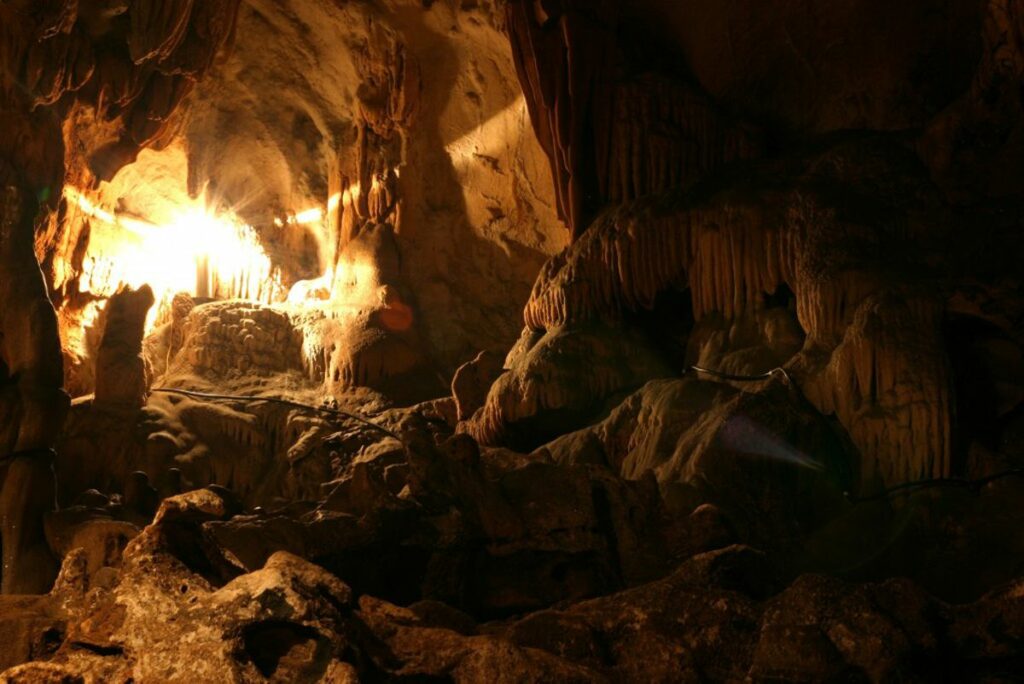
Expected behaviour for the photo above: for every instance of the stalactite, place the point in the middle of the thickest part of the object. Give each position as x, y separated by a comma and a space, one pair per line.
60, 64
665, 135
211, 29
649, 134
56, 16
363, 179
888, 382
884, 372
113, 85
157, 28
729, 256
564, 55
152, 112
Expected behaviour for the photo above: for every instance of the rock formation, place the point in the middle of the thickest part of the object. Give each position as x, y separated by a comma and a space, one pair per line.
264, 414
32, 404
122, 379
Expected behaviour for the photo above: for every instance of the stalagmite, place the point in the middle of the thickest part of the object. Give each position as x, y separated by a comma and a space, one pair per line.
122, 375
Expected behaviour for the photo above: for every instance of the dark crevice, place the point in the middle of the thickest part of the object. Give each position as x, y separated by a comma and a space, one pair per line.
110, 650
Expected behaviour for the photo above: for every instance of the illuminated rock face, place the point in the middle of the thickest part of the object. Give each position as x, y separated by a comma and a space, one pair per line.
855, 232
238, 339
866, 337
386, 115
122, 375
772, 356
280, 157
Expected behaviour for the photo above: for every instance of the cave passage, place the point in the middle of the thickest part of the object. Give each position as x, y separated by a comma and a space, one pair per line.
511, 341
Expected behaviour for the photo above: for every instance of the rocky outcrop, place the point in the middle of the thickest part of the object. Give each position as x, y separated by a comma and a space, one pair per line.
766, 461
719, 616
32, 628
559, 379
472, 380
122, 375
237, 338
873, 352
776, 361
32, 402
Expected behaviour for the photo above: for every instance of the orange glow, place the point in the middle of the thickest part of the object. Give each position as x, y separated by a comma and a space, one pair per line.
194, 251
353, 286
490, 138
74, 330
309, 216
92, 312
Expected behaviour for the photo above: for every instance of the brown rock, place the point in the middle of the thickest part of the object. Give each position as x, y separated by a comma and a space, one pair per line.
122, 377
472, 380
32, 628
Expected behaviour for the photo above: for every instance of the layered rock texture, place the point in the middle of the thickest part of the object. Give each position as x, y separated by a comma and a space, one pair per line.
264, 414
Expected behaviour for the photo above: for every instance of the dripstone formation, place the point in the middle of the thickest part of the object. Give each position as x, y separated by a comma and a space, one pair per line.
511, 341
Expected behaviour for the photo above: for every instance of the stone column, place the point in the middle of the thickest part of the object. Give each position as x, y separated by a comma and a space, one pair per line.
32, 403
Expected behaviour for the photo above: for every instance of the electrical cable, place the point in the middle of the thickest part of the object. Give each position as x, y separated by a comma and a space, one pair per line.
975, 484
743, 378
884, 494
278, 400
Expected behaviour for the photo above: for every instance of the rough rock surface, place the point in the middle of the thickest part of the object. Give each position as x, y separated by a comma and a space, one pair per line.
228, 338
873, 352
763, 423
719, 616
122, 375
395, 113
32, 402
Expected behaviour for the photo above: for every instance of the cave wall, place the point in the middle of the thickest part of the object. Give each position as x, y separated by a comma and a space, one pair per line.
832, 161
309, 110
775, 253
83, 88
390, 113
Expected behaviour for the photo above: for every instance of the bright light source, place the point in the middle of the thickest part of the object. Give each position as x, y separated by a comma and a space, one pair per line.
195, 251
309, 216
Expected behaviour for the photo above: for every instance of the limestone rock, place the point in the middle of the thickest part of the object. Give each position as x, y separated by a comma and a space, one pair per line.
472, 380
559, 379
707, 442
122, 378
33, 404
32, 628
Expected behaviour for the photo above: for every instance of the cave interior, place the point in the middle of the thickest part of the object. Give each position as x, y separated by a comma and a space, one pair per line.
511, 341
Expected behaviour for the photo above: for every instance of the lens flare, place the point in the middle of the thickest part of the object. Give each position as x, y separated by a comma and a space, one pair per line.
197, 251
745, 436
190, 248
